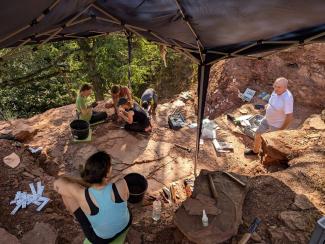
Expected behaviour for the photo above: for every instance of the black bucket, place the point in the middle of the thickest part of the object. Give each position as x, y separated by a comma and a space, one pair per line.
79, 129
137, 185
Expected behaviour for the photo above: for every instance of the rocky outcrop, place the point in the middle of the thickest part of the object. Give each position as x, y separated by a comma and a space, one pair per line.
224, 216
291, 146
6, 237
40, 234
22, 131
303, 66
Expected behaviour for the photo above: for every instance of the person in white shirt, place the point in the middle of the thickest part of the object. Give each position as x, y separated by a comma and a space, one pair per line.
279, 113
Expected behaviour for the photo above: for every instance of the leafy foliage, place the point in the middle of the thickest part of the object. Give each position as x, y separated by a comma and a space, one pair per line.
34, 79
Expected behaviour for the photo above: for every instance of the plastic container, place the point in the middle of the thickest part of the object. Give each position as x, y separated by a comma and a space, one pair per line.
79, 129
137, 185
205, 220
318, 236
156, 210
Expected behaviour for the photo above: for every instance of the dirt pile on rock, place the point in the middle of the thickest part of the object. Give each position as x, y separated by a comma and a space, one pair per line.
303, 66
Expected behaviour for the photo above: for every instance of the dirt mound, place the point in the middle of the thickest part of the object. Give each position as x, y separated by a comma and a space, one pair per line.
303, 66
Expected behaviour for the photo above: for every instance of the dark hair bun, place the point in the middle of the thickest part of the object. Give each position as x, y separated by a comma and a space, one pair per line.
96, 168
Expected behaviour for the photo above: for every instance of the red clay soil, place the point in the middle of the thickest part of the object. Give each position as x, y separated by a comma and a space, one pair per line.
274, 190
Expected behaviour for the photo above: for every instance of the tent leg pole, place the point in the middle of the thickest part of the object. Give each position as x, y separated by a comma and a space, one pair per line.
203, 82
199, 117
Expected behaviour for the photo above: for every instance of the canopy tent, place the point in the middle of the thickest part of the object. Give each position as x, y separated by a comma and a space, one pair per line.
206, 30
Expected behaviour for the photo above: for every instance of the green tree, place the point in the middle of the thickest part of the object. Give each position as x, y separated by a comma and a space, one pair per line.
37, 78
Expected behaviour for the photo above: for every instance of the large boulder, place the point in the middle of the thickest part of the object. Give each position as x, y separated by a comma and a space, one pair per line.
295, 220
286, 236
41, 233
224, 222
286, 145
7, 238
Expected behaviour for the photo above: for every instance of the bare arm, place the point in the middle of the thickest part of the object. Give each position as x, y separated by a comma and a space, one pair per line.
128, 94
68, 187
287, 121
122, 189
126, 116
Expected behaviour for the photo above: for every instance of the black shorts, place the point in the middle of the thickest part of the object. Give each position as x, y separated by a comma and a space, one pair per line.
89, 231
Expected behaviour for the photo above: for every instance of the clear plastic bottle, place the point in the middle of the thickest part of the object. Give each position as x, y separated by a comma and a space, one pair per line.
156, 210
205, 220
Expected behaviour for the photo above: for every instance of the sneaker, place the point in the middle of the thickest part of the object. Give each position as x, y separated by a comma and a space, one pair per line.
250, 152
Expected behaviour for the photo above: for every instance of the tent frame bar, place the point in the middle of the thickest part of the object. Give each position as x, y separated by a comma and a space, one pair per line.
34, 22
135, 29
244, 48
314, 37
200, 46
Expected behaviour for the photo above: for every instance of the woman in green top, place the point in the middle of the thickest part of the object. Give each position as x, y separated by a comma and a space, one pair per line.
85, 110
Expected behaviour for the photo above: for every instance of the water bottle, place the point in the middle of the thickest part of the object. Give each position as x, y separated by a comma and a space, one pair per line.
205, 220
156, 210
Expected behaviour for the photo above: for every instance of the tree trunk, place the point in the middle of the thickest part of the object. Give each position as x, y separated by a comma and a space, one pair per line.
96, 80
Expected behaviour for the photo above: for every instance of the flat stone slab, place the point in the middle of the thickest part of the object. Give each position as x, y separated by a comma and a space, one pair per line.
295, 220
222, 226
154, 150
302, 202
7, 238
179, 168
41, 233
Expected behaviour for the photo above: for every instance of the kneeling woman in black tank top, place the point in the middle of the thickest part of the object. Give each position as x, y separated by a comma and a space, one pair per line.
98, 205
135, 117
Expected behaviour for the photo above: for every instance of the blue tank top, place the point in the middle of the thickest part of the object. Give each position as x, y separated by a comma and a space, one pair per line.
112, 217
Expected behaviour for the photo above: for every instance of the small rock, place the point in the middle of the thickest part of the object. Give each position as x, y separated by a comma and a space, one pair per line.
48, 210
294, 220
41, 233
302, 202
28, 175
285, 235
243, 111
37, 172
7, 238
23, 132
12, 160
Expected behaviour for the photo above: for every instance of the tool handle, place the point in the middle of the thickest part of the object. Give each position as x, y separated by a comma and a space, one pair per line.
245, 238
252, 228
212, 187
235, 179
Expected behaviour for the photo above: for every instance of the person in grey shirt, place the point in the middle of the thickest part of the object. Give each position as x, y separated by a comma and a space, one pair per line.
149, 101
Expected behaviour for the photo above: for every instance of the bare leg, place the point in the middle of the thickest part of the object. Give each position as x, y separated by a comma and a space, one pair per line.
70, 204
257, 143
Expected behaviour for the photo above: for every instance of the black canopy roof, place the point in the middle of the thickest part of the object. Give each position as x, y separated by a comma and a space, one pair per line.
216, 28
204, 30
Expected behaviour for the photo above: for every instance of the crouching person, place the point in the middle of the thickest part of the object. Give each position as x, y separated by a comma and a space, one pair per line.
84, 109
98, 205
149, 101
135, 117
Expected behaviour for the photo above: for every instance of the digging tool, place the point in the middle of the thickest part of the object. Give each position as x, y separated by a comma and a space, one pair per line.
212, 187
252, 228
183, 147
235, 179
173, 192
